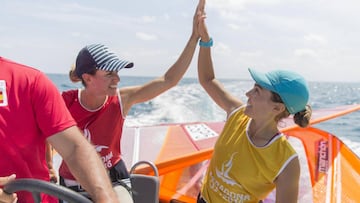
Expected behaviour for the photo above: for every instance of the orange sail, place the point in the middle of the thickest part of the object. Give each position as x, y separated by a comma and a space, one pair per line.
334, 169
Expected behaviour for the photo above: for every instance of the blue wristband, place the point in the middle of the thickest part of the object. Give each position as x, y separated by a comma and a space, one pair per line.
206, 44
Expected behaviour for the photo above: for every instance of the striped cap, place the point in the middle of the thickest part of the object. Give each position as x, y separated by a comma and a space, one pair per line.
99, 57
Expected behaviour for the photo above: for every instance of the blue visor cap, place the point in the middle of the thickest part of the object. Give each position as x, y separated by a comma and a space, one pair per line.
290, 86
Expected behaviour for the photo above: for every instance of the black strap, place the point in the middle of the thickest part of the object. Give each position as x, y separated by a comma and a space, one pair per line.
118, 172
76, 188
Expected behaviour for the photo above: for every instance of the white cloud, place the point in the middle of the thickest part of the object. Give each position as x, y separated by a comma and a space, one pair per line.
222, 48
227, 4
237, 5
313, 38
76, 34
305, 53
166, 16
145, 36
234, 26
148, 19
230, 15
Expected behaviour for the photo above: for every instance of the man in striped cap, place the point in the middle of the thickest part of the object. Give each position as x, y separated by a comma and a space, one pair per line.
100, 108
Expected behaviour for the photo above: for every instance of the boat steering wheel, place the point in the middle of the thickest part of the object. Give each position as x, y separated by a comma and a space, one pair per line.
36, 187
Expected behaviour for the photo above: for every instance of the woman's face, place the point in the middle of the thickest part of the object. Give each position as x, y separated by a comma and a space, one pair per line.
260, 104
104, 82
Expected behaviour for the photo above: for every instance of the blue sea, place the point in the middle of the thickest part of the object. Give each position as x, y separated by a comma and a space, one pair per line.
187, 102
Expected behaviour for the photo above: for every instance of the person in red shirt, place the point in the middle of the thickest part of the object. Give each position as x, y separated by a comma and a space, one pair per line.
100, 108
32, 113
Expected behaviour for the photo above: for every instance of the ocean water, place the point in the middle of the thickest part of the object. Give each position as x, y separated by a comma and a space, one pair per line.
188, 102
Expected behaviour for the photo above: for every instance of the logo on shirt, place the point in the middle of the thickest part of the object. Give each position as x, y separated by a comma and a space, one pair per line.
223, 172
107, 158
3, 95
225, 190
87, 135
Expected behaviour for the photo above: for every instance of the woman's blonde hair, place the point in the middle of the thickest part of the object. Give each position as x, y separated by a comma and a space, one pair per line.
72, 74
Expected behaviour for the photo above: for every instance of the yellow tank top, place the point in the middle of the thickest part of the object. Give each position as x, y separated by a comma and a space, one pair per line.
239, 171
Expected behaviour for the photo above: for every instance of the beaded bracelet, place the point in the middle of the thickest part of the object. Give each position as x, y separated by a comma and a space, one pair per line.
206, 44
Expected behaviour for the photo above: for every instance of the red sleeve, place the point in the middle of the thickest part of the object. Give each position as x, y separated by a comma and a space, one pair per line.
69, 96
51, 112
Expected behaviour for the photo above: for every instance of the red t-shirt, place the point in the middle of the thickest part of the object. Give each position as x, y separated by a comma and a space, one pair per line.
31, 110
102, 127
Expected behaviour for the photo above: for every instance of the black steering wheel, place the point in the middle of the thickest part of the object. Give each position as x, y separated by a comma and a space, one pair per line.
36, 187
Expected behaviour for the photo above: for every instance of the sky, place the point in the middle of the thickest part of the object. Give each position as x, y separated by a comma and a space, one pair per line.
319, 39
